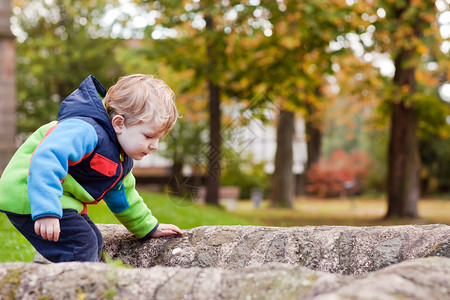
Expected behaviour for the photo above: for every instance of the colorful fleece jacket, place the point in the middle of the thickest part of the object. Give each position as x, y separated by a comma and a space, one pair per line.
72, 162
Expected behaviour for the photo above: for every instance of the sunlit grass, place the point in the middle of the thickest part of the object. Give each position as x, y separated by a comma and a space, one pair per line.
14, 246
342, 211
168, 209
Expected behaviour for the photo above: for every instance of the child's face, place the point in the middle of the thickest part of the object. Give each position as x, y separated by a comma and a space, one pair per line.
138, 140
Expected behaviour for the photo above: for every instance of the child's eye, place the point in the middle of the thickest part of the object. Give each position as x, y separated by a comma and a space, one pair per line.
151, 136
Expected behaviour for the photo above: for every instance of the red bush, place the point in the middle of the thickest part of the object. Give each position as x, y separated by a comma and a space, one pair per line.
340, 174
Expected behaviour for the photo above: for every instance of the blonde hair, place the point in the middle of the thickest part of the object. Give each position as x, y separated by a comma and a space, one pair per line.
142, 98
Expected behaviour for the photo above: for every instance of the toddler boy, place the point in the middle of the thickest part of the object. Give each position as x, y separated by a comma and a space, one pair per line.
84, 157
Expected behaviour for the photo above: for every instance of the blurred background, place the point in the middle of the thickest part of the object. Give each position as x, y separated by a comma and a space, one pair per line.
293, 113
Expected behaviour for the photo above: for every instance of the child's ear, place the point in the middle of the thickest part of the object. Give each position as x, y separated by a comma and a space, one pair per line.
118, 123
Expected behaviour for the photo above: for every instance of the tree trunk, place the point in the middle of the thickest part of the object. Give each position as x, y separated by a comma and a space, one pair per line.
282, 189
313, 145
404, 159
214, 154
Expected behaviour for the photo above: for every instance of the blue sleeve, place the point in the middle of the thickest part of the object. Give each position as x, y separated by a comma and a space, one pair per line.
69, 141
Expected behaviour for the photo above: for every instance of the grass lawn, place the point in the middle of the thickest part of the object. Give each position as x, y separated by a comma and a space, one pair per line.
341, 211
307, 211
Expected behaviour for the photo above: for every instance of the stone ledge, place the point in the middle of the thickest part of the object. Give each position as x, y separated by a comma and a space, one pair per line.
425, 278
336, 249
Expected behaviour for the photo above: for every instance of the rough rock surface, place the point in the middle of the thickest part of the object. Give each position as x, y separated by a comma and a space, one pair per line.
426, 278
336, 249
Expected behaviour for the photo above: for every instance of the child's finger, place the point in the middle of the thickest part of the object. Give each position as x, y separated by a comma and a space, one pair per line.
56, 233
176, 230
37, 228
172, 232
50, 233
43, 232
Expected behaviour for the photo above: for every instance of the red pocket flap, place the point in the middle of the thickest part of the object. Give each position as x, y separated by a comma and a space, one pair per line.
103, 165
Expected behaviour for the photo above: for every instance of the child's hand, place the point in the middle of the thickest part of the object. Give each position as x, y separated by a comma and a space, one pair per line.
48, 228
166, 230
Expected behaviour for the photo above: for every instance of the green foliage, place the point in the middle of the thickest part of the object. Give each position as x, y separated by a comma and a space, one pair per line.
403, 23
110, 293
434, 139
242, 172
375, 144
62, 44
431, 114
435, 156
186, 144
118, 263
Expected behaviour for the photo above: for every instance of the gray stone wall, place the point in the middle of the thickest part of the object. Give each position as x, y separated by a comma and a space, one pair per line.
341, 250
7, 86
249, 262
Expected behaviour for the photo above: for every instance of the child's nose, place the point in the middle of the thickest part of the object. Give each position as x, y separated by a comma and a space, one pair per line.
153, 145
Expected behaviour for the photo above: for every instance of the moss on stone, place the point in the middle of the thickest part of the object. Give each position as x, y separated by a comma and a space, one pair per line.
10, 282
